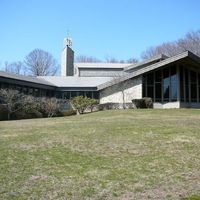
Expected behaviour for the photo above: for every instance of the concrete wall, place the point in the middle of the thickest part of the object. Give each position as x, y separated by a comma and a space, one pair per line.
166, 105
102, 72
127, 90
176, 104
64, 62
67, 62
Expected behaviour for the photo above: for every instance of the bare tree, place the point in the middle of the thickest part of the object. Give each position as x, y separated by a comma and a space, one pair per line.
14, 67
132, 60
86, 59
12, 100
169, 49
190, 42
110, 59
115, 60
50, 106
41, 63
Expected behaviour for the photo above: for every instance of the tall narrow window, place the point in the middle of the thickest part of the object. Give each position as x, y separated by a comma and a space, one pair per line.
95, 95
80, 93
166, 82
181, 84
73, 94
150, 85
88, 94
187, 85
173, 83
158, 86
144, 92
193, 86
66, 95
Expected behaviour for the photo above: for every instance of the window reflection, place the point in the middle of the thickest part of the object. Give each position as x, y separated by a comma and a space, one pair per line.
173, 83
163, 82
166, 79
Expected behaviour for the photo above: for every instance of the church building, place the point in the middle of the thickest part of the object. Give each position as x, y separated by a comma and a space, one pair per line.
171, 82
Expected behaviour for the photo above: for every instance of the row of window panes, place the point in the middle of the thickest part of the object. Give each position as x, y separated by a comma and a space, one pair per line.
164, 80
71, 94
189, 85
27, 90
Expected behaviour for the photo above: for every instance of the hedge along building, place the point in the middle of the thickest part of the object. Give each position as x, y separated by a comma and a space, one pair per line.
172, 82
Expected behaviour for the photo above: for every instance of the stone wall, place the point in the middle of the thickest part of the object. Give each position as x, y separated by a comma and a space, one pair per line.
122, 92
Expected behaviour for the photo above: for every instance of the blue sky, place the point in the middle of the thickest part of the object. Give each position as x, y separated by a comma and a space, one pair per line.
99, 28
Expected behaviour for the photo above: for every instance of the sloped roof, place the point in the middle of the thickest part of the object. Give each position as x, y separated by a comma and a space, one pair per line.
30, 79
73, 81
151, 67
102, 65
102, 82
146, 62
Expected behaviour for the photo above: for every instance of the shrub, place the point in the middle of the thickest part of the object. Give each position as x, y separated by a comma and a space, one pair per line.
19, 106
148, 102
145, 102
11, 100
92, 103
81, 103
49, 107
16, 102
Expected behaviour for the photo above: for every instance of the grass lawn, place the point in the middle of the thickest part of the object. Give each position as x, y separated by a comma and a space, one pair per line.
119, 154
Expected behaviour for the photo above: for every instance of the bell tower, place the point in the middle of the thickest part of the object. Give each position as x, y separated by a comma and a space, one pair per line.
67, 58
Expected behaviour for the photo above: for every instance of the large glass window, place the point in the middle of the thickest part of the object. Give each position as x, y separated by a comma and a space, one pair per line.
36, 92
95, 94
181, 83
80, 93
193, 86
73, 94
173, 83
186, 85
161, 85
150, 85
66, 95
144, 92
158, 86
166, 82
30, 91
189, 85
88, 94
150, 79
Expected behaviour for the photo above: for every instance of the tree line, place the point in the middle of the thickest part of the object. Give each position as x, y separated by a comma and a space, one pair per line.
108, 59
190, 42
